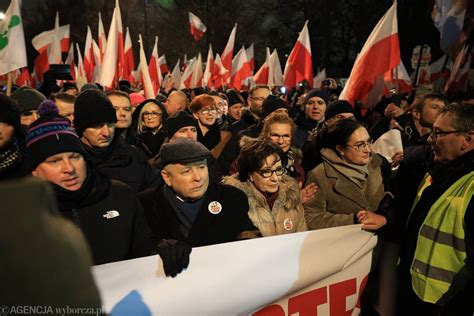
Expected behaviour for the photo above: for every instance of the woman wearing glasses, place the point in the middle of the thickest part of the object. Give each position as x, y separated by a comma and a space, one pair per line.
151, 115
204, 110
275, 207
352, 188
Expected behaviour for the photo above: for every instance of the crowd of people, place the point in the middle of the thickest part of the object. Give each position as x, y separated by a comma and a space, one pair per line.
194, 168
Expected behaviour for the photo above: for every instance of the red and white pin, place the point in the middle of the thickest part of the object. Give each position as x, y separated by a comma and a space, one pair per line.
214, 207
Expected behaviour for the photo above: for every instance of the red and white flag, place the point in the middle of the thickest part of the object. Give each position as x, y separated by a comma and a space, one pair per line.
262, 75
219, 74
276, 74
381, 53
299, 65
154, 69
70, 61
54, 50
192, 76
228, 52
12, 46
196, 26
240, 69
81, 78
129, 60
250, 58
89, 61
102, 39
398, 78
22, 77
163, 64
144, 73
112, 65
458, 79
176, 75
207, 77
44, 43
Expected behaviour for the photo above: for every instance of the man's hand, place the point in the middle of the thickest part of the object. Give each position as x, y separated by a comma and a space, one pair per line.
393, 110
175, 256
308, 192
371, 220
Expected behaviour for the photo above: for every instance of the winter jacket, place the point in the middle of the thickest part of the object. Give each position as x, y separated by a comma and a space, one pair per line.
110, 216
338, 198
286, 215
228, 223
124, 163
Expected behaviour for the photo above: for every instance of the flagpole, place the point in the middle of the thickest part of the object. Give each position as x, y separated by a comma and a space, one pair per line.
9, 83
417, 72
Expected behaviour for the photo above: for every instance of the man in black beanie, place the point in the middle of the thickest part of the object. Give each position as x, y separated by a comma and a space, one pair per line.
183, 125
28, 100
12, 145
94, 121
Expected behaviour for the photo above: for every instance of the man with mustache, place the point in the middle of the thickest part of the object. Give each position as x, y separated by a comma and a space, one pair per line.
95, 119
436, 259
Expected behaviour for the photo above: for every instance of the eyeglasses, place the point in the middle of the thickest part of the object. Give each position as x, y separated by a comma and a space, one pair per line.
276, 137
361, 146
208, 111
435, 134
267, 173
152, 114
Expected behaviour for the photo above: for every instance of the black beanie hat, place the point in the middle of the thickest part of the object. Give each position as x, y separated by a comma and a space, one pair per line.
338, 107
49, 135
323, 94
92, 107
233, 97
9, 112
271, 104
28, 99
182, 119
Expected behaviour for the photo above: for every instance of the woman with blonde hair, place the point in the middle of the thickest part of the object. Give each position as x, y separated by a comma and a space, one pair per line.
151, 115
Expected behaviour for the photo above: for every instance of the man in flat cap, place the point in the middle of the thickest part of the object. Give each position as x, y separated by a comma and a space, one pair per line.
190, 207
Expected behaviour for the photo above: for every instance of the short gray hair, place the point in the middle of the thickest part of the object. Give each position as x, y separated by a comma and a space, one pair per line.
462, 114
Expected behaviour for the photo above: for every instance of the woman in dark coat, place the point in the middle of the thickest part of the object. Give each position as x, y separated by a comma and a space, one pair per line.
149, 117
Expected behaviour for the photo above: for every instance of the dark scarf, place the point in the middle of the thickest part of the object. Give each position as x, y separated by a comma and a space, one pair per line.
101, 156
94, 189
186, 211
11, 157
212, 137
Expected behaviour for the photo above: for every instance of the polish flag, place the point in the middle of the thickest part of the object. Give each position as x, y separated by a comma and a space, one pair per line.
176, 75
299, 65
144, 73
207, 77
154, 69
97, 59
54, 50
192, 76
398, 78
44, 42
102, 39
81, 77
318, 79
196, 26
381, 53
240, 69
262, 75
219, 74
23, 78
275, 74
228, 52
250, 58
70, 61
163, 64
89, 61
112, 64
129, 60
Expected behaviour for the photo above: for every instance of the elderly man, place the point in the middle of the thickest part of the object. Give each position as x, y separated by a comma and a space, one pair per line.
436, 261
65, 103
191, 207
95, 120
177, 101
255, 111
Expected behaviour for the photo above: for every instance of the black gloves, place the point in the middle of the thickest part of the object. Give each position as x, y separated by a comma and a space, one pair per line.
175, 256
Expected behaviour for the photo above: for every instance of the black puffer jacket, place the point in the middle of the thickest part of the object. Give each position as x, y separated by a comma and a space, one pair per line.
124, 163
109, 215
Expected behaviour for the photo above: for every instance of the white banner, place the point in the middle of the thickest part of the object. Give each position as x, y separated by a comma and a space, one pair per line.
318, 272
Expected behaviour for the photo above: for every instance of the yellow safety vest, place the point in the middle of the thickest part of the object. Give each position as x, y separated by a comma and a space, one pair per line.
441, 250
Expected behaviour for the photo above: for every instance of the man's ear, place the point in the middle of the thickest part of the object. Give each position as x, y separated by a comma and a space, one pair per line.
416, 114
166, 177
